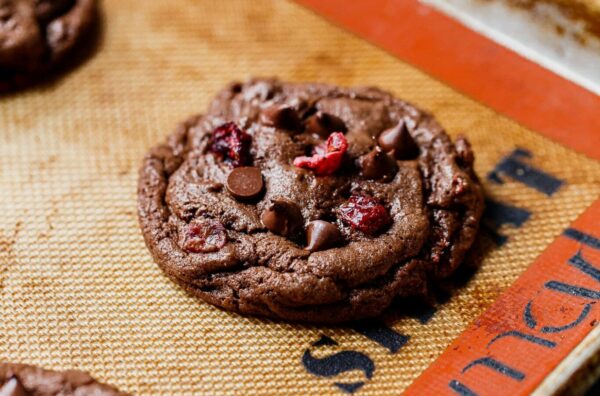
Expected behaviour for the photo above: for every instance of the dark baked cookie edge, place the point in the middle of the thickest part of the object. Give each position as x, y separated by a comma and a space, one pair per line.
408, 278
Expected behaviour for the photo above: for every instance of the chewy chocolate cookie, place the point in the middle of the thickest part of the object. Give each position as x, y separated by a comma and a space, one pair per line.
308, 201
36, 35
26, 380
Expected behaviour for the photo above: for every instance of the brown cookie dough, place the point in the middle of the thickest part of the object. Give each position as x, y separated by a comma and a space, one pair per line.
363, 197
26, 380
36, 35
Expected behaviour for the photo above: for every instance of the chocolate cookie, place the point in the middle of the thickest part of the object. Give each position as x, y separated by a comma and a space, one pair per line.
308, 201
25, 380
36, 35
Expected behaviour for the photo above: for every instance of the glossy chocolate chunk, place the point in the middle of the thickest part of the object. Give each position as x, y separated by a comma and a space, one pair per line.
399, 141
13, 387
283, 218
324, 124
378, 165
321, 235
245, 182
281, 116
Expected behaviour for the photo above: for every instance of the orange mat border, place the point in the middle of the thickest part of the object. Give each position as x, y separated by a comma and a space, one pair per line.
531, 327
475, 65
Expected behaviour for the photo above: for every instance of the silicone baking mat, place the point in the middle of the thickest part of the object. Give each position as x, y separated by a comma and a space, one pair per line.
80, 290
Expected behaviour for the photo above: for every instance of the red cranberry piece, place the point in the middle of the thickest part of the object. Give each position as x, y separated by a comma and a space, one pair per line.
204, 236
231, 144
365, 213
327, 157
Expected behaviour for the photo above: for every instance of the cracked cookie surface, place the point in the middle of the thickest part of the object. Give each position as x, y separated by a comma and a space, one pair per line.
308, 202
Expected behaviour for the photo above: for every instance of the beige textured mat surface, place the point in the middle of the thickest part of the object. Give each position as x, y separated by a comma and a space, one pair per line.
80, 290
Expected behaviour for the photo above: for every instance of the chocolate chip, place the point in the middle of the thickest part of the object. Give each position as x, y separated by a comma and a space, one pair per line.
283, 217
236, 87
305, 106
245, 182
281, 116
399, 140
323, 124
378, 165
214, 187
13, 387
321, 235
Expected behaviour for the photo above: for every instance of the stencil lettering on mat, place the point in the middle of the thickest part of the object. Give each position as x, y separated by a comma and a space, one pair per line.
545, 336
496, 215
516, 167
338, 363
344, 361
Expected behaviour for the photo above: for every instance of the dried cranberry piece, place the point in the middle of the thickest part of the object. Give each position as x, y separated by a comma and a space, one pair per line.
327, 157
231, 144
365, 213
204, 236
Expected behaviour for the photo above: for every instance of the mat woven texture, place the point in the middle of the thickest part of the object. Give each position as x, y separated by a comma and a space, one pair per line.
80, 290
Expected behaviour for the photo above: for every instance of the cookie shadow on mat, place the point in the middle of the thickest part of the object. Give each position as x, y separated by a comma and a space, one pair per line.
424, 308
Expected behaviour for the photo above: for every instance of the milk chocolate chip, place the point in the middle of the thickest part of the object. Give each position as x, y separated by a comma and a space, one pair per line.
13, 387
321, 235
281, 116
283, 218
378, 165
245, 182
323, 124
399, 141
